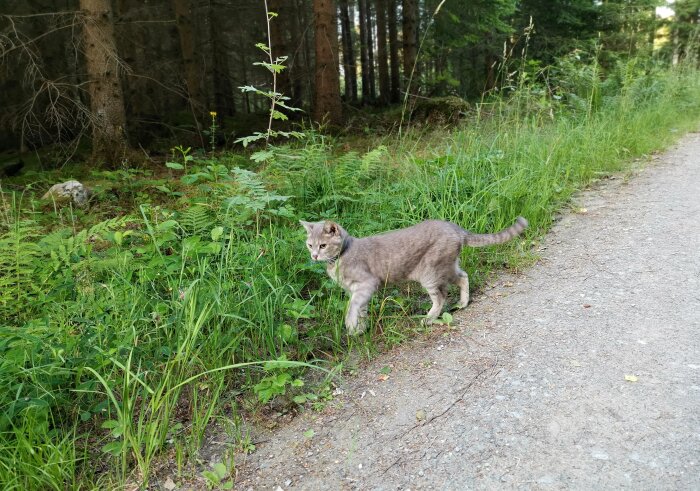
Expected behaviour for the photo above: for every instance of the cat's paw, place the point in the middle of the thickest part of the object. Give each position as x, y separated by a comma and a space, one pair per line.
461, 305
355, 331
358, 327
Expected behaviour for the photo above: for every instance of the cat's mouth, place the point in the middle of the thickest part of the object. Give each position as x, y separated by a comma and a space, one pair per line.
323, 259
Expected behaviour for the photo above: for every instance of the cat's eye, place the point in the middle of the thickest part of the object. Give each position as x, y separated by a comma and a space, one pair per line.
308, 245
322, 246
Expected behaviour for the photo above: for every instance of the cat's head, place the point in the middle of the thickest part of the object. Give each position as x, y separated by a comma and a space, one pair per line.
324, 239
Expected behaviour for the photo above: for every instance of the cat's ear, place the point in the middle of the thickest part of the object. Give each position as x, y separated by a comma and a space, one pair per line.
331, 228
307, 225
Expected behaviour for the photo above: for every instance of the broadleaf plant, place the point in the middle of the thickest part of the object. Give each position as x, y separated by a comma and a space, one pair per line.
275, 65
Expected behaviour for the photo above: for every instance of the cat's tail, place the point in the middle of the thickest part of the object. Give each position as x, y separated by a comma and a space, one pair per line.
481, 240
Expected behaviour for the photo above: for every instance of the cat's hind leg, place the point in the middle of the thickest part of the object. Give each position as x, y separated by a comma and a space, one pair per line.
438, 295
356, 316
463, 282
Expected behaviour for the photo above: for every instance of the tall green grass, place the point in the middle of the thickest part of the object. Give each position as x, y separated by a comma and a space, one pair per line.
124, 339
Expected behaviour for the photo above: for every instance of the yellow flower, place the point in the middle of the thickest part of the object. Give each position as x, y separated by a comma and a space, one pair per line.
212, 114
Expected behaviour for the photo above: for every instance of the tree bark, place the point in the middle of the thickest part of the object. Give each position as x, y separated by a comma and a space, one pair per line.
244, 74
193, 70
279, 44
490, 61
106, 97
370, 52
349, 66
384, 90
308, 35
298, 66
327, 106
410, 45
364, 51
394, 53
223, 91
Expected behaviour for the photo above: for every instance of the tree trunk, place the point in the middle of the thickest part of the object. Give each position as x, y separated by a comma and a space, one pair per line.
384, 90
394, 53
364, 51
244, 73
223, 91
370, 51
327, 106
490, 61
410, 49
308, 35
106, 97
280, 47
349, 66
193, 70
298, 67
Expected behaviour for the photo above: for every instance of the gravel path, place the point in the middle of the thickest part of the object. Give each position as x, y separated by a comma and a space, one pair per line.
531, 391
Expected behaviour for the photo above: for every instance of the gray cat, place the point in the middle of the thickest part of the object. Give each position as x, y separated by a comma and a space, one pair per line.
427, 253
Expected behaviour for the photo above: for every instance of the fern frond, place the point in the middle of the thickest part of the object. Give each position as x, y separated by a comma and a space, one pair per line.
196, 219
20, 256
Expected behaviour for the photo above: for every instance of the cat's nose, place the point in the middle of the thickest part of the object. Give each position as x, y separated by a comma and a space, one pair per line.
314, 256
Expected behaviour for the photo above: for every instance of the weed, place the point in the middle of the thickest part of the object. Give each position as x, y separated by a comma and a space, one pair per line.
212, 131
216, 478
277, 380
183, 153
277, 100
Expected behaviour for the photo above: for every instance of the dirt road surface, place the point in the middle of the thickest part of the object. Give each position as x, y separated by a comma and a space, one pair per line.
582, 372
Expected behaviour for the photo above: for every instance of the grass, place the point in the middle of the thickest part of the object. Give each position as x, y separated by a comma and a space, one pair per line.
126, 329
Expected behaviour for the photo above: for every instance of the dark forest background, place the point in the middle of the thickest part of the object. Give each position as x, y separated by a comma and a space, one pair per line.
130, 73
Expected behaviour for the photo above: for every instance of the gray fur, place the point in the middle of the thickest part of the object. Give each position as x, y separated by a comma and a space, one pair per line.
427, 252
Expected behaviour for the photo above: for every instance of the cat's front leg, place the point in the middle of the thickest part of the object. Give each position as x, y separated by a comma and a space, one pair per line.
356, 316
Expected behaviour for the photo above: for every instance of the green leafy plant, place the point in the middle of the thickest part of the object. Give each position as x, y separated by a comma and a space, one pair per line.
277, 100
216, 478
20, 257
184, 154
212, 131
277, 381
318, 399
210, 173
254, 200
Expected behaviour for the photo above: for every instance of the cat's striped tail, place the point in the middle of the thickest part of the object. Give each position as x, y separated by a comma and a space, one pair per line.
481, 240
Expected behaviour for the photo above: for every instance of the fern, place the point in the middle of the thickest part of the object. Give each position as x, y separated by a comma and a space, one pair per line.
101, 229
19, 257
65, 249
254, 200
347, 180
196, 219
330, 184
117, 262
61, 247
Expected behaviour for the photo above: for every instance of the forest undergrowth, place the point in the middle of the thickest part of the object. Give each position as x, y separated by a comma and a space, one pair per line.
128, 327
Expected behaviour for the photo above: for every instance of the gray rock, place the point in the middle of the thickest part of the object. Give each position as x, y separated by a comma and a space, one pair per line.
70, 190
